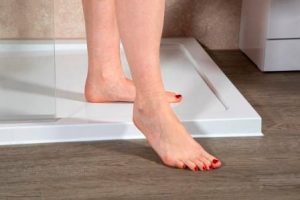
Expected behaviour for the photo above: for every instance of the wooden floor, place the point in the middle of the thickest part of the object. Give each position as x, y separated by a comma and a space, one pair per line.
254, 168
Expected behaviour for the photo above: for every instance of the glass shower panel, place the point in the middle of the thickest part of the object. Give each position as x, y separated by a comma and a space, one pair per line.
27, 63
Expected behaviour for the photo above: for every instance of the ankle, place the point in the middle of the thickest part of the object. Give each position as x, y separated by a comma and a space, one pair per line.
108, 77
150, 102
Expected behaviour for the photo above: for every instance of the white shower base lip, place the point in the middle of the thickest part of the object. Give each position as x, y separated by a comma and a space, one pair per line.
212, 105
53, 132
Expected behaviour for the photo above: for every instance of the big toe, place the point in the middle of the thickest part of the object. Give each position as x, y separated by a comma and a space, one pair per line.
173, 97
215, 162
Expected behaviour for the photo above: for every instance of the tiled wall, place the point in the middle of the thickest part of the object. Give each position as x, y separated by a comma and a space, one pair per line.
214, 22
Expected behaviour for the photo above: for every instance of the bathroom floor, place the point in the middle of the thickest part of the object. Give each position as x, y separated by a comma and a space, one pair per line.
254, 168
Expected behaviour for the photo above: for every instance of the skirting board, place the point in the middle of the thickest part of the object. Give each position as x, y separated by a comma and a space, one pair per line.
212, 106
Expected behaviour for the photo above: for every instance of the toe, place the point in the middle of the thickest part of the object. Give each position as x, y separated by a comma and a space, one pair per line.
181, 165
206, 162
214, 161
174, 97
190, 164
200, 164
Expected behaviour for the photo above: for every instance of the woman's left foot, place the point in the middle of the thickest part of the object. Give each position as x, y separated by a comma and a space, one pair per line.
100, 90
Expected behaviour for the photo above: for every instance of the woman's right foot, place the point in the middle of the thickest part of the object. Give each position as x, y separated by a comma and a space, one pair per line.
168, 137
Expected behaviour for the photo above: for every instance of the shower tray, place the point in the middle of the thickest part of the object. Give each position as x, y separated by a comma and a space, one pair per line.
211, 106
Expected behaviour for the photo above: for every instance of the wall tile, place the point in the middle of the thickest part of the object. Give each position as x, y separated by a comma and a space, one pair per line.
215, 23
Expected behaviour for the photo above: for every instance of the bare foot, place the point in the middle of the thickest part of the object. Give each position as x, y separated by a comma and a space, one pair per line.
100, 90
168, 137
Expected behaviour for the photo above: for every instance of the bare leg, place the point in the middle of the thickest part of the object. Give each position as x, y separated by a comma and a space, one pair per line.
140, 25
106, 81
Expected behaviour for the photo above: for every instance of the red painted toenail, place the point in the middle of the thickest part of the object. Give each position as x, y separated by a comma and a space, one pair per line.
210, 167
196, 168
204, 167
178, 96
215, 161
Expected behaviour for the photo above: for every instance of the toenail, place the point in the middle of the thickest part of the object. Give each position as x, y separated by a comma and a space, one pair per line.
215, 161
178, 96
210, 167
204, 167
196, 168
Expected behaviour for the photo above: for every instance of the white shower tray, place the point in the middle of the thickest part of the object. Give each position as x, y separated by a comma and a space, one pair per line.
211, 107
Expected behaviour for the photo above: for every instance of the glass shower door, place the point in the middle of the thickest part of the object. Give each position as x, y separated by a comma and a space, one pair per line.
27, 62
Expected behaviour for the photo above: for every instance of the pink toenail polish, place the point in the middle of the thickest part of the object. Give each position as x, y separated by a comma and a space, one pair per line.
196, 168
215, 161
178, 96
